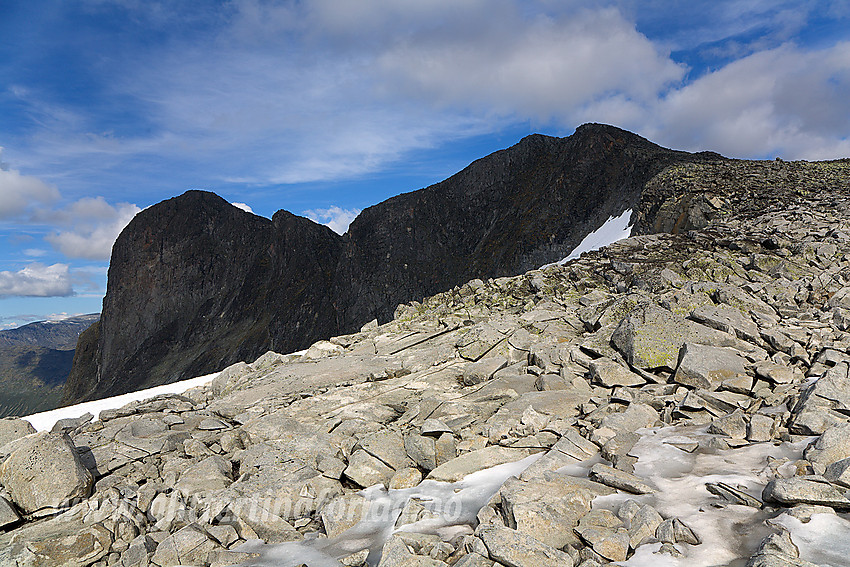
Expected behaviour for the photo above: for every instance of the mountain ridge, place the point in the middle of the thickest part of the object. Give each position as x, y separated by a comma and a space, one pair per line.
283, 284
60, 334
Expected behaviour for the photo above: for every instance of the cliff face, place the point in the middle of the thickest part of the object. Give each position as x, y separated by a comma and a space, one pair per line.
509, 212
196, 284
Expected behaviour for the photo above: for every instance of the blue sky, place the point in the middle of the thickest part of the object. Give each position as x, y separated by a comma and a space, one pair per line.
324, 107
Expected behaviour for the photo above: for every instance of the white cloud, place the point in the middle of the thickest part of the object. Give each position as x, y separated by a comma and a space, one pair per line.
18, 192
786, 102
320, 89
538, 69
93, 225
336, 218
37, 280
35, 252
243, 206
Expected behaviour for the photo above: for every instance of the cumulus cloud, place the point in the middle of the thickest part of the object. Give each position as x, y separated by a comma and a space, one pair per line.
787, 102
37, 280
335, 218
539, 69
319, 90
18, 192
93, 225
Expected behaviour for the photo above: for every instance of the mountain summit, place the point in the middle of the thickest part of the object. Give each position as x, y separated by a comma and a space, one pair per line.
196, 284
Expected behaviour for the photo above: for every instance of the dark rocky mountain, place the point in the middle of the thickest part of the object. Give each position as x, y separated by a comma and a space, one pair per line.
35, 361
196, 284
58, 335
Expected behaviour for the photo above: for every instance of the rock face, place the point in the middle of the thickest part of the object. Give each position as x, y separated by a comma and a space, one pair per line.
196, 284
589, 388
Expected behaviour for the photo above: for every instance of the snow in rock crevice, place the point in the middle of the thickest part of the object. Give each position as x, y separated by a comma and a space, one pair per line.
612, 230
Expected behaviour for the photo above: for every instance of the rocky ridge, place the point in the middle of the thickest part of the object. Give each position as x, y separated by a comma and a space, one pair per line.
196, 284
729, 338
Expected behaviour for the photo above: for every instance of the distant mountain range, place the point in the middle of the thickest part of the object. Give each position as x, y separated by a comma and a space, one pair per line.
35, 361
58, 335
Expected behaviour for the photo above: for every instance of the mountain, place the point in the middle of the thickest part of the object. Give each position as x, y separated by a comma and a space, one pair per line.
196, 284
35, 361
697, 379
58, 335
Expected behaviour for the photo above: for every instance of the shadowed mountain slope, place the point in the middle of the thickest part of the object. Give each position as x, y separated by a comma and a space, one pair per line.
196, 284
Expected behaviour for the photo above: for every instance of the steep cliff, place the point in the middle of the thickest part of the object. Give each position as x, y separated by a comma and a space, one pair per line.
196, 284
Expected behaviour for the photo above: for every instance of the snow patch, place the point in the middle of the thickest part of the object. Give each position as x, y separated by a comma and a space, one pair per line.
680, 480
614, 229
45, 420
824, 540
455, 504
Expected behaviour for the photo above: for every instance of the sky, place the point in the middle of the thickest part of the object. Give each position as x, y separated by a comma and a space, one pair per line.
325, 107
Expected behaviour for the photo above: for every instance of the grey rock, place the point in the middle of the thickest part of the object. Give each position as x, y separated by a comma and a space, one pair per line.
611, 544
8, 514
651, 337
12, 428
676, 531
388, 446
367, 470
45, 471
190, 545
622, 480
636, 416
732, 425
727, 319
707, 367
777, 373
343, 512
548, 508
405, 478
422, 450
610, 374
838, 473
761, 428
482, 370
643, 525
67, 424
474, 461
474, 560
516, 549
211, 474
833, 445
732, 494
804, 490
434, 427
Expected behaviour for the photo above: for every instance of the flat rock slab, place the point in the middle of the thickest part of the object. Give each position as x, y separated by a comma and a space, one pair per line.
800, 490
549, 506
468, 463
62, 541
514, 549
610, 374
706, 367
609, 476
